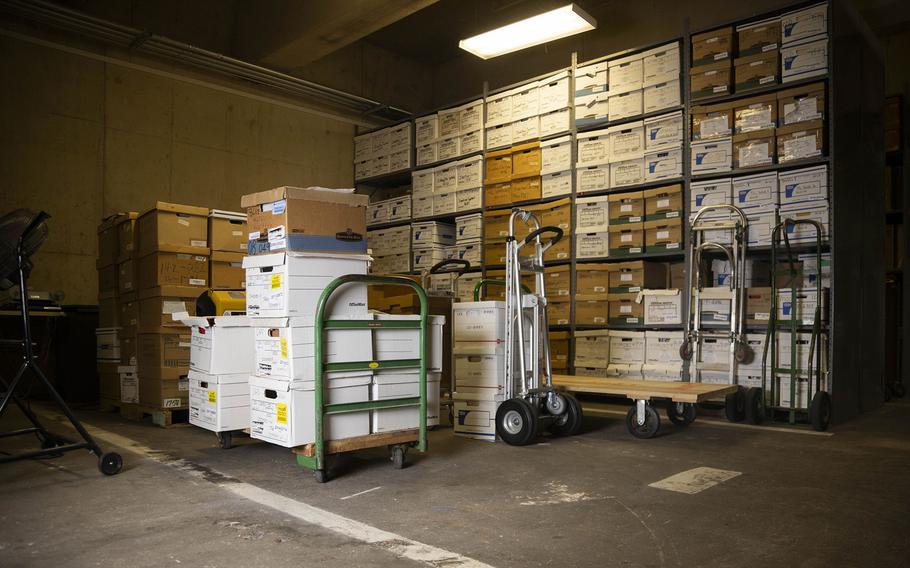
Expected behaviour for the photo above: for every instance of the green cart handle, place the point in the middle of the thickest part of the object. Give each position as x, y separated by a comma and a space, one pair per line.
491, 282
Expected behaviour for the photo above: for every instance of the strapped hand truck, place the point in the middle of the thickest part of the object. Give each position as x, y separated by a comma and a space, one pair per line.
820, 407
739, 404
532, 402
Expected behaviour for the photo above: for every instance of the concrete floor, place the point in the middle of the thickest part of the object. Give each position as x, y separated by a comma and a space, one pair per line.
840, 500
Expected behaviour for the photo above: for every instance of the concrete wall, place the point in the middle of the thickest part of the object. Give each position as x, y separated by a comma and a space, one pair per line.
83, 139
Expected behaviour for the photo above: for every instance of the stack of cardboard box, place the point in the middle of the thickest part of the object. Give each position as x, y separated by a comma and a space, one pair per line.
228, 240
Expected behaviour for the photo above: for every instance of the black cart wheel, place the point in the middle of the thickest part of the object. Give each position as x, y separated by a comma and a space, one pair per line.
225, 440
398, 455
646, 430
570, 422
743, 353
899, 390
321, 475
47, 441
755, 406
681, 413
110, 463
820, 411
887, 392
735, 407
516, 422
685, 351
451, 415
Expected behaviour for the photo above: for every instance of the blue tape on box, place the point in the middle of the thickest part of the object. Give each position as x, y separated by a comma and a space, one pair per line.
310, 243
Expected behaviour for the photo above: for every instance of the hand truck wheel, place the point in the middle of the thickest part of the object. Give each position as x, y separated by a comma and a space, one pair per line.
225, 440
755, 406
321, 475
570, 422
742, 352
685, 351
516, 422
735, 406
110, 463
398, 456
820, 411
650, 426
47, 441
681, 413
899, 390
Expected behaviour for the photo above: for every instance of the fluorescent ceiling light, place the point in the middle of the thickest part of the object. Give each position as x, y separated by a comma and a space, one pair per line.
549, 26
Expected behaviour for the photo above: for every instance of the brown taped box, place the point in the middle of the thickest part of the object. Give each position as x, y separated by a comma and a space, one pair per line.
496, 225
712, 121
526, 160
108, 240
627, 208
754, 149
494, 252
498, 291
129, 310
800, 141
555, 214
663, 236
171, 224
663, 202
625, 310
497, 194
109, 381
711, 80
525, 189
164, 355
591, 279
127, 281
676, 275
758, 306
376, 295
227, 271
498, 166
559, 349
229, 235
760, 37
129, 345
591, 310
629, 277
164, 393
174, 266
126, 237
108, 310
755, 113
156, 306
709, 47
756, 71
305, 211
108, 279
801, 104
560, 251
559, 313
558, 281
627, 239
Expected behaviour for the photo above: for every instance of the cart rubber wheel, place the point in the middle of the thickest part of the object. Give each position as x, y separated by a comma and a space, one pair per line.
451, 415
887, 392
321, 475
820, 411
899, 390
735, 407
743, 352
755, 406
398, 455
47, 442
516, 422
684, 418
646, 430
685, 351
570, 422
110, 463
225, 440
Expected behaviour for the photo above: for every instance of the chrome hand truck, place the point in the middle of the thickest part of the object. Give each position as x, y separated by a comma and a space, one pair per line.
532, 402
741, 403
819, 410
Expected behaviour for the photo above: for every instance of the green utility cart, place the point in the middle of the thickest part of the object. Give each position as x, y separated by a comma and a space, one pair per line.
313, 456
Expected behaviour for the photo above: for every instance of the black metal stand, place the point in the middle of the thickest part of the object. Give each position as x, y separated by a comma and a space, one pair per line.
51, 444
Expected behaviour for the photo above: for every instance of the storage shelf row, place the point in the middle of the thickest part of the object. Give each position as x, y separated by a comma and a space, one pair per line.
606, 123
760, 91
793, 164
631, 188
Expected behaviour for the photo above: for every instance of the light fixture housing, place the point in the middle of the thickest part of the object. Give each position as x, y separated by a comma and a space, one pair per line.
542, 28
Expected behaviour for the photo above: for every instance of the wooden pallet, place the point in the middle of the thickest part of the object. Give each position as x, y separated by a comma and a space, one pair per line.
644, 389
163, 417
360, 443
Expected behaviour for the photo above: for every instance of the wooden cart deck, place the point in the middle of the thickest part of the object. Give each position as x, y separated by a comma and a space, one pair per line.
644, 389
360, 443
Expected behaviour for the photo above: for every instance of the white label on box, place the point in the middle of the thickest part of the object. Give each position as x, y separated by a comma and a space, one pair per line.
184, 222
754, 153
625, 309
801, 110
663, 235
195, 243
625, 207
626, 237
715, 126
626, 277
802, 147
197, 282
661, 203
170, 403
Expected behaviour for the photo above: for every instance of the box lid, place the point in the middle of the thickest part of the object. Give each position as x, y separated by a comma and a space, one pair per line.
718, 33
115, 220
223, 379
765, 57
661, 191
816, 124
656, 293
171, 292
623, 197
230, 215
179, 249
722, 65
227, 256
342, 196
753, 135
593, 333
525, 147
815, 89
215, 321
594, 267
657, 223
632, 334
177, 208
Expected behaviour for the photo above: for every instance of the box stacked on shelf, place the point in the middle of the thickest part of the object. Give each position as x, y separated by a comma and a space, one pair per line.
711, 74
804, 43
382, 152
228, 238
627, 354
528, 112
393, 210
758, 55
450, 133
662, 361
592, 353
430, 242
390, 249
559, 352
804, 351
626, 281
468, 239
556, 167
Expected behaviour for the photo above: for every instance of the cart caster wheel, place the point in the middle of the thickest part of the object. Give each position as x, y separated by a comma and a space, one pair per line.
685, 351
887, 392
646, 430
899, 390
681, 413
743, 353
820, 411
110, 463
398, 455
516, 422
47, 442
225, 440
755, 406
320, 475
570, 422
451, 416
735, 407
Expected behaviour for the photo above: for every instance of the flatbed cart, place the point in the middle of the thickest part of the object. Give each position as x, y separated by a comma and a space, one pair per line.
739, 403
531, 402
642, 420
819, 409
313, 456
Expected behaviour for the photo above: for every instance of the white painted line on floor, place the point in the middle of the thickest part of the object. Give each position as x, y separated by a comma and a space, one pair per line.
724, 423
361, 493
695, 480
391, 542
